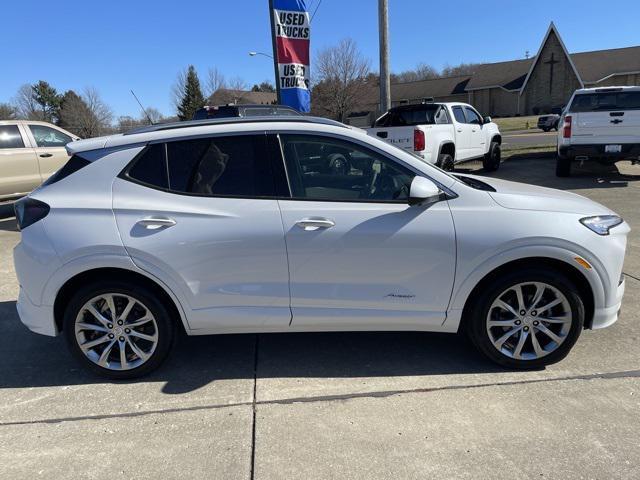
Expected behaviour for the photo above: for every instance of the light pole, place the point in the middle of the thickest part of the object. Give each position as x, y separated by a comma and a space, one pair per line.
253, 54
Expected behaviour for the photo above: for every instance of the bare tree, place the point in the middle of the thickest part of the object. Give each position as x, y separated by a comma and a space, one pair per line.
7, 111
153, 113
177, 90
421, 72
342, 79
461, 69
26, 104
101, 113
215, 82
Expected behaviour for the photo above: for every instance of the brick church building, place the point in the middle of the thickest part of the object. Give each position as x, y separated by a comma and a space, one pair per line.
530, 86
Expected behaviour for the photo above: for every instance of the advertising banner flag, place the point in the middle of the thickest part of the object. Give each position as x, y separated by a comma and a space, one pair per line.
291, 37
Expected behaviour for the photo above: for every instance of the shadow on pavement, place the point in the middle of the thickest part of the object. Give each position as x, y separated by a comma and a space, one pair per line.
541, 171
31, 360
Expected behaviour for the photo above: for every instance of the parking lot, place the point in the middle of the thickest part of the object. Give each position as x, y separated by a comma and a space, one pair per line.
386, 405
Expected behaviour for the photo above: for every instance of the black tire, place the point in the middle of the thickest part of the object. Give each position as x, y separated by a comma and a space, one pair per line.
491, 161
445, 162
563, 166
546, 129
477, 313
165, 326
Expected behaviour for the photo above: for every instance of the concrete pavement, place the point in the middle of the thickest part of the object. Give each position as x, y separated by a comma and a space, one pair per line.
387, 405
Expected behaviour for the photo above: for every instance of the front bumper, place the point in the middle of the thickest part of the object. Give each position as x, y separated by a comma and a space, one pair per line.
38, 319
629, 151
606, 316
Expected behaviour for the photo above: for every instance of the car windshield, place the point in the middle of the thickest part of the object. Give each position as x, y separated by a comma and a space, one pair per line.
605, 101
400, 117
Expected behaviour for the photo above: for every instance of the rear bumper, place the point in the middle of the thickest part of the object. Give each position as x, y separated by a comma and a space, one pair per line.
606, 316
38, 319
629, 151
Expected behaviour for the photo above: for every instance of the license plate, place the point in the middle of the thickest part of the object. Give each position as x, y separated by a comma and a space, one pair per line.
613, 148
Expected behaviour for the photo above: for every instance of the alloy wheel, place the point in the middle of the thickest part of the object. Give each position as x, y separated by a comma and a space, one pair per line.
116, 331
529, 320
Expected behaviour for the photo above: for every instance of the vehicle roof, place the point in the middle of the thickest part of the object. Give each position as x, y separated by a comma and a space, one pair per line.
29, 122
193, 128
607, 89
413, 106
249, 105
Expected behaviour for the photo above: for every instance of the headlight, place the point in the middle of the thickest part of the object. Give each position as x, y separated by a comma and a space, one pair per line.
601, 224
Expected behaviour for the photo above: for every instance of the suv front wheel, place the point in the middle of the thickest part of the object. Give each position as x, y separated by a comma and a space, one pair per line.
526, 319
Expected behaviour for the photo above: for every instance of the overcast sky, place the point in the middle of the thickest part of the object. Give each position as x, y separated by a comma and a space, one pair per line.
120, 45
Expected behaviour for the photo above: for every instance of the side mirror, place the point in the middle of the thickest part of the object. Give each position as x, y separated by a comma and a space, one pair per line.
487, 120
423, 191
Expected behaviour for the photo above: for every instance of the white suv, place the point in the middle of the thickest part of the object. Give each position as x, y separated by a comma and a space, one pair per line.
241, 225
601, 124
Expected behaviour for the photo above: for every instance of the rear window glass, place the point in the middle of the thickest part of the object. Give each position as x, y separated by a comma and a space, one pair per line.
424, 115
74, 164
605, 101
10, 137
224, 166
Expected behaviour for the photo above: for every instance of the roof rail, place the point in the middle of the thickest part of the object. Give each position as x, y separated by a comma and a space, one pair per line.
235, 120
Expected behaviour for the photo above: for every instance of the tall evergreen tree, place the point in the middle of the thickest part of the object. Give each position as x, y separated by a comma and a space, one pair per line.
192, 98
47, 99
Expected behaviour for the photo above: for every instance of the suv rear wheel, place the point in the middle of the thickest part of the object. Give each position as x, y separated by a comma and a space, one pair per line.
117, 329
527, 319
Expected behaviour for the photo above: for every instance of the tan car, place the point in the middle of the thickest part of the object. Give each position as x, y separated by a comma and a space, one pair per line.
29, 153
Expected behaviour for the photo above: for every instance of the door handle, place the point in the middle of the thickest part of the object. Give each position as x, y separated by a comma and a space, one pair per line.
153, 223
313, 224
46, 155
459, 130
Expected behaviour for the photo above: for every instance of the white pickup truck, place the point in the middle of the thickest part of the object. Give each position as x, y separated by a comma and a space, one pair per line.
599, 124
441, 133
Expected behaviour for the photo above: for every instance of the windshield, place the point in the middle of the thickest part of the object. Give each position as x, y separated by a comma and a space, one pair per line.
605, 101
420, 115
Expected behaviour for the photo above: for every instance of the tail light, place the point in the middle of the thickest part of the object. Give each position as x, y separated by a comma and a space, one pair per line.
418, 140
566, 127
29, 211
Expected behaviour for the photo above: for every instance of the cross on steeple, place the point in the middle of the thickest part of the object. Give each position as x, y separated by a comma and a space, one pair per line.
551, 62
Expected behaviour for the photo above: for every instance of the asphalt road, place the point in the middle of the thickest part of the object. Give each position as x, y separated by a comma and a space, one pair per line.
528, 138
317, 406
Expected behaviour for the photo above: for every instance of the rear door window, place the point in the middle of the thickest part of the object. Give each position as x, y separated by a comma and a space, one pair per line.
605, 101
10, 137
49, 137
236, 166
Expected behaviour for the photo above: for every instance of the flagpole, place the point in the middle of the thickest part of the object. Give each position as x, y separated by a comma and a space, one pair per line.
275, 53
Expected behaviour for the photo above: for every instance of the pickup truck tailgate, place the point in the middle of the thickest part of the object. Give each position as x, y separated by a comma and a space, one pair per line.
401, 137
619, 126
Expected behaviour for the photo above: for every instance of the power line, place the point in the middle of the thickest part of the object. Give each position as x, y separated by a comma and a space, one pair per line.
314, 12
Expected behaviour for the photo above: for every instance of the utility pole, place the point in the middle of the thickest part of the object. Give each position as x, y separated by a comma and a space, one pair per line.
385, 81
